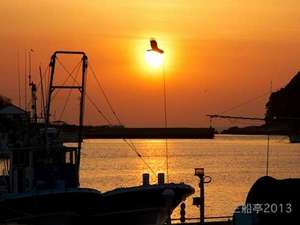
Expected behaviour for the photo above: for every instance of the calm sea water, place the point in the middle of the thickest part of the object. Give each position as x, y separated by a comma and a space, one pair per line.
234, 162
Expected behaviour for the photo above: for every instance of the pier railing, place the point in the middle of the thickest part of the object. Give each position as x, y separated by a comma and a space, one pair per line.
210, 219
200, 203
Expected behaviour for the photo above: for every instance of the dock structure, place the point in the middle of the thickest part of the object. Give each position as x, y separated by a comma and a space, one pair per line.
216, 220
200, 203
229, 222
139, 133
205, 133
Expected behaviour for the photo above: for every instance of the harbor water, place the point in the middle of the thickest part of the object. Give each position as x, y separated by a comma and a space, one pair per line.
234, 162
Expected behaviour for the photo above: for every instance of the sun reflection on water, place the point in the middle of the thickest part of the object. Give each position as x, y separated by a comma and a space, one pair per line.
234, 163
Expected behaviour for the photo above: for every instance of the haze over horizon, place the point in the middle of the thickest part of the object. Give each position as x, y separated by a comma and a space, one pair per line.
218, 54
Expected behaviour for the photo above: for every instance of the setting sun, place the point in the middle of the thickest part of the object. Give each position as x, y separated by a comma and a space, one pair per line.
154, 59
135, 106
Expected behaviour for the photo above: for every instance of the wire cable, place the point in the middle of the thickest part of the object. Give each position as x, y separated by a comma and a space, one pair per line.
47, 72
246, 102
69, 73
68, 97
105, 95
166, 121
88, 97
127, 141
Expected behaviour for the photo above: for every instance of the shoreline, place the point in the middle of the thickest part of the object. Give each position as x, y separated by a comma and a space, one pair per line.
140, 133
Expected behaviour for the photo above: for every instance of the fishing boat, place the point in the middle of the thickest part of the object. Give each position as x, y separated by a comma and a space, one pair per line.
270, 201
40, 183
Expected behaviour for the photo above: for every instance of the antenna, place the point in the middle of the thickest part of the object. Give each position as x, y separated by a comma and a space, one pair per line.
29, 65
19, 78
166, 120
268, 138
30, 83
33, 102
29, 62
42, 93
271, 87
25, 81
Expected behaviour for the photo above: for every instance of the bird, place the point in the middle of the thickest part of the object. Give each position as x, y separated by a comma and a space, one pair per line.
154, 46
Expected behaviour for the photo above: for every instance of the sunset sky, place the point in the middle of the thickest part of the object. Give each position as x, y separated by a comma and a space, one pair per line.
218, 53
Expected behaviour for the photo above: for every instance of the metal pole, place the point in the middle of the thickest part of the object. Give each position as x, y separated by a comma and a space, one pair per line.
42, 94
29, 62
50, 90
19, 78
25, 81
82, 101
52, 66
166, 121
81, 117
201, 186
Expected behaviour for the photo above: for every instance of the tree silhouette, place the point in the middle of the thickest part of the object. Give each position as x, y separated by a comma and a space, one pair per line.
283, 105
4, 101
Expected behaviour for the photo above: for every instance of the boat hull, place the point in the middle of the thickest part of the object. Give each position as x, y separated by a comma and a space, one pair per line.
136, 205
48, 207
151, 204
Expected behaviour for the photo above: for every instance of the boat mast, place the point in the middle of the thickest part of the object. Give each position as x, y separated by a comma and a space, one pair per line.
33, 103
79, 86
19, 78
42, 93
25, 81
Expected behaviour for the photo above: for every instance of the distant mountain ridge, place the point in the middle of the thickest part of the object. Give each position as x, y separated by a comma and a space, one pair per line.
285, 102
282, 112
4, 101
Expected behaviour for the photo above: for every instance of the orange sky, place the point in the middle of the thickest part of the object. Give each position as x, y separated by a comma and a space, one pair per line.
219, 53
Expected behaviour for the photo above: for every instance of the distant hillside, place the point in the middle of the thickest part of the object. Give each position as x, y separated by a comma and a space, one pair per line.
4, 101
285, 103
282, 112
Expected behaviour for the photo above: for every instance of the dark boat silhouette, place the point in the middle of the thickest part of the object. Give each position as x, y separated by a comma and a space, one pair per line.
270, 201
41, 184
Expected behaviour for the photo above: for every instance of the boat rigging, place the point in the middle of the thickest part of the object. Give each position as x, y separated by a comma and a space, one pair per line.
129, 142
211, 116
42, 179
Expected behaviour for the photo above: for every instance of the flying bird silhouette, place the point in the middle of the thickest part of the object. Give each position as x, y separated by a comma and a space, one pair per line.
154, 46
